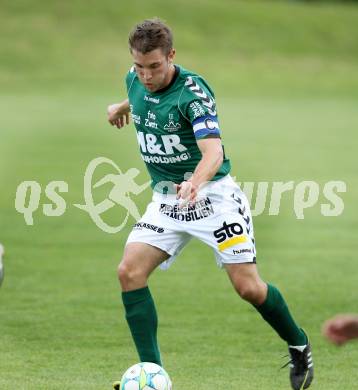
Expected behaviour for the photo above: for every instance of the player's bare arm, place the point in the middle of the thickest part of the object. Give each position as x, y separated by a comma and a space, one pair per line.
212, 158
342, 328
118, 114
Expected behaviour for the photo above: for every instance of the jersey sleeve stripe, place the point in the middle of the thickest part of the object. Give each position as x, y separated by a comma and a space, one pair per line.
202, 125
203, 133
203, 118
206, 127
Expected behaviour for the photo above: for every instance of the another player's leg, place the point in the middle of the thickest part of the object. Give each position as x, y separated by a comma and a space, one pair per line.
139, 260
269, 302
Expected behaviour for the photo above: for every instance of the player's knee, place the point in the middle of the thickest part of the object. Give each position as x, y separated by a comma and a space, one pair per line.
129, 276
249, 291
125, 273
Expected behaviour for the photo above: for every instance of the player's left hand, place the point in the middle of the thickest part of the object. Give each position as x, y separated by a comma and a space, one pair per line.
186, 192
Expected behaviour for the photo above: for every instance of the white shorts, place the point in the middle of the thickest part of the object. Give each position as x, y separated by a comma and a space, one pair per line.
221, 218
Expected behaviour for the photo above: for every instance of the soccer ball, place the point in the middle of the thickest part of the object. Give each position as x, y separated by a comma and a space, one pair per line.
146, 376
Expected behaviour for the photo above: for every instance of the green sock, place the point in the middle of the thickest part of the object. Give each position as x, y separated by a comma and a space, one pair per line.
275, 311
143, 323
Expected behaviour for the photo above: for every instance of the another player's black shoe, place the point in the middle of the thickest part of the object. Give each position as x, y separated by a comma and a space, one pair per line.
301, 367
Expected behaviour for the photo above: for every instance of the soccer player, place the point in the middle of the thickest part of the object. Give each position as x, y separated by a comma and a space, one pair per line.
179, 136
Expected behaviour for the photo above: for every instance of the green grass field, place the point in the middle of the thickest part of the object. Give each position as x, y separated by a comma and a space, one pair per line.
286, 80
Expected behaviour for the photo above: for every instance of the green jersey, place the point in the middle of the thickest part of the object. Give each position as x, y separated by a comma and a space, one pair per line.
169, 122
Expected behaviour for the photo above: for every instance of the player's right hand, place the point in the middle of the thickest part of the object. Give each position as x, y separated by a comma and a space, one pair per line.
118, 115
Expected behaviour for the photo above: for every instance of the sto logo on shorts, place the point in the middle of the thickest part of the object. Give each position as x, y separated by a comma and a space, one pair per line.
229, 235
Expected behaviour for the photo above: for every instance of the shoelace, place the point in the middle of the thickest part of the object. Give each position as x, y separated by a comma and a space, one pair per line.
298, 358
286, 364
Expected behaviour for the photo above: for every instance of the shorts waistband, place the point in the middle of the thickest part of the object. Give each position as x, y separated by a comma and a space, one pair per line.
210, 187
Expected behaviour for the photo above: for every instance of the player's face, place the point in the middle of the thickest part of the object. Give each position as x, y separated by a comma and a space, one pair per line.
154, 69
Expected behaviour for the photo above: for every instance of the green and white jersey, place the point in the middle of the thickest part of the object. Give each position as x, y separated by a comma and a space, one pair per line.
170, 121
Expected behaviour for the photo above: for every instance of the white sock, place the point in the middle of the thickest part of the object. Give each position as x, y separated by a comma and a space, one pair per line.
298, 347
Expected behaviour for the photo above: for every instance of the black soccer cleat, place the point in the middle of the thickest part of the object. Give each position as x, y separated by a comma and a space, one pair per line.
117, 385
301, 367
